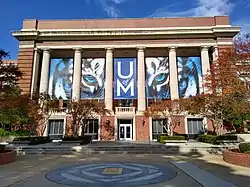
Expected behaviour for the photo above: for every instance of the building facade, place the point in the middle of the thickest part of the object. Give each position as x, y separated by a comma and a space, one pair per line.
126, 63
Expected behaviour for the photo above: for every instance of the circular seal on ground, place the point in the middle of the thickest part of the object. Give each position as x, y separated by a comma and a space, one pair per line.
111, 174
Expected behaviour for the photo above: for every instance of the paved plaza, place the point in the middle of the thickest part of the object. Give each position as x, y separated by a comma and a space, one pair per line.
124, 170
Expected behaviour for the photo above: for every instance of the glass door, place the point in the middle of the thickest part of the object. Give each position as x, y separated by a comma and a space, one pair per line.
125, 132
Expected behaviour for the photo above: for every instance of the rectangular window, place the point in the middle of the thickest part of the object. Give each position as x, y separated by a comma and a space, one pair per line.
159, 127
56, 127
195, 126
91, 128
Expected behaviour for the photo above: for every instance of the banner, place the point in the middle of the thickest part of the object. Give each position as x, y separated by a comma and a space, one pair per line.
60, 80
125, 78
92, 80
189, 76
157, 78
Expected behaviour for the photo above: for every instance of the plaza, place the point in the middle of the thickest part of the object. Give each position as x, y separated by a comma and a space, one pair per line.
154, 170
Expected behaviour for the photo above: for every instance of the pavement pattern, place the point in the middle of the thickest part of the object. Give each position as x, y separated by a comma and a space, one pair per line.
111, 170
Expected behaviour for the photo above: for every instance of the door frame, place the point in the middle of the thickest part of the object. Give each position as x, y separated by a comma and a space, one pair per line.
125, 132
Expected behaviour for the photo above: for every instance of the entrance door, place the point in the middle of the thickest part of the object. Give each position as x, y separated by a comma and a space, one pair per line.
125, 132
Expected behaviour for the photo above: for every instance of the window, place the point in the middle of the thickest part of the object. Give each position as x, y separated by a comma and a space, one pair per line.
91, 128
125, 103
159, 127
56, 127
195, 126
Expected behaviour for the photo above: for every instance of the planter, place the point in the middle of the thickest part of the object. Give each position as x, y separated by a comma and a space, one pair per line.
7, 157
244, 137
233, 156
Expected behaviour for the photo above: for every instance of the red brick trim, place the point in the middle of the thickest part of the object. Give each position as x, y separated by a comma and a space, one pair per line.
235, 157
7, 157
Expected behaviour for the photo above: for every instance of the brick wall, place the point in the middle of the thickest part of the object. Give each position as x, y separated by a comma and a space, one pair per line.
180, 129
107, 128
25, 63
142, 128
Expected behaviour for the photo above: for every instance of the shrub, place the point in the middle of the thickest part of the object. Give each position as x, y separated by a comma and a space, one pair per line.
215, 139
244, 147
207, 139
227, 137
33, 140
86, 139
163, 138
4, 133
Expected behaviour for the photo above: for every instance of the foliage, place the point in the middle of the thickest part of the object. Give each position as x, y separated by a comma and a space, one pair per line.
244, 147
213, 139
227, 96
84, 139
4, 133
33, 140
83, 110
10, 73
163, 138
39, 108
167, 109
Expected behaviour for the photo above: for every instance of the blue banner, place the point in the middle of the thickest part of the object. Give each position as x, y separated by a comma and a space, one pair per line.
125, 78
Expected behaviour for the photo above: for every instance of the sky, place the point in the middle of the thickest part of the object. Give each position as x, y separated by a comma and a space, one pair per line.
13, 12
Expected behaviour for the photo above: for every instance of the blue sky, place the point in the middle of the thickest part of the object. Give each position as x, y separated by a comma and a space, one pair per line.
14, 11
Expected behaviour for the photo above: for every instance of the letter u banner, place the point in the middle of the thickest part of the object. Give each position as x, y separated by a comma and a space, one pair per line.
125, 78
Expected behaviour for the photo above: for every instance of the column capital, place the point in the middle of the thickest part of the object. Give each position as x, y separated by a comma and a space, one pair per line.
109, 49
215, 47
172, 48
46, 50
37, 50
141, 48
77, 49
204, 48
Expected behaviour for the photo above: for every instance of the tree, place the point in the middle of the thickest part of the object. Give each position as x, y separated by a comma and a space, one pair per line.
39, 108
227, 99
9, 73
83, 110
167, 109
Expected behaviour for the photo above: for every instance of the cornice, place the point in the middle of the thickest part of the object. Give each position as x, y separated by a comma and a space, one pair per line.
167, 32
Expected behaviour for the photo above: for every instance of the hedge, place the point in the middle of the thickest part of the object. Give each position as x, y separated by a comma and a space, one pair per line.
86, 139
244, 147
216, 139
33, 140
4, 133
163, 138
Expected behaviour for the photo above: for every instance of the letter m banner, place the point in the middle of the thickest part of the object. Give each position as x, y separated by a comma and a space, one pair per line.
125, 78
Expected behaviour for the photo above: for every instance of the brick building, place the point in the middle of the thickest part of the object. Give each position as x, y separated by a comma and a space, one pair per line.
126, 63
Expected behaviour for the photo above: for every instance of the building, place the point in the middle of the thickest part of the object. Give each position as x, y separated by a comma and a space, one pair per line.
127, 63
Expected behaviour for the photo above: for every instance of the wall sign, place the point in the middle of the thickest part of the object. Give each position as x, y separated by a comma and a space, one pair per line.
125, 78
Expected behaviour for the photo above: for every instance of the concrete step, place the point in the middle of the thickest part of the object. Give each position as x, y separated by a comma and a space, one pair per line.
159, 149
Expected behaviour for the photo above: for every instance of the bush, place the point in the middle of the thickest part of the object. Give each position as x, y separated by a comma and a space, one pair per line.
4, 133
33, 140
86, 139
215, 139
163, 138
207, 139
244, 147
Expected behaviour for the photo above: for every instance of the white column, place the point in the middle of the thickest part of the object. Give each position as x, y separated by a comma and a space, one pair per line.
141, 80
45, 72
109, 79
174, 91
35, 71
215, 54
76, 87
205, 66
